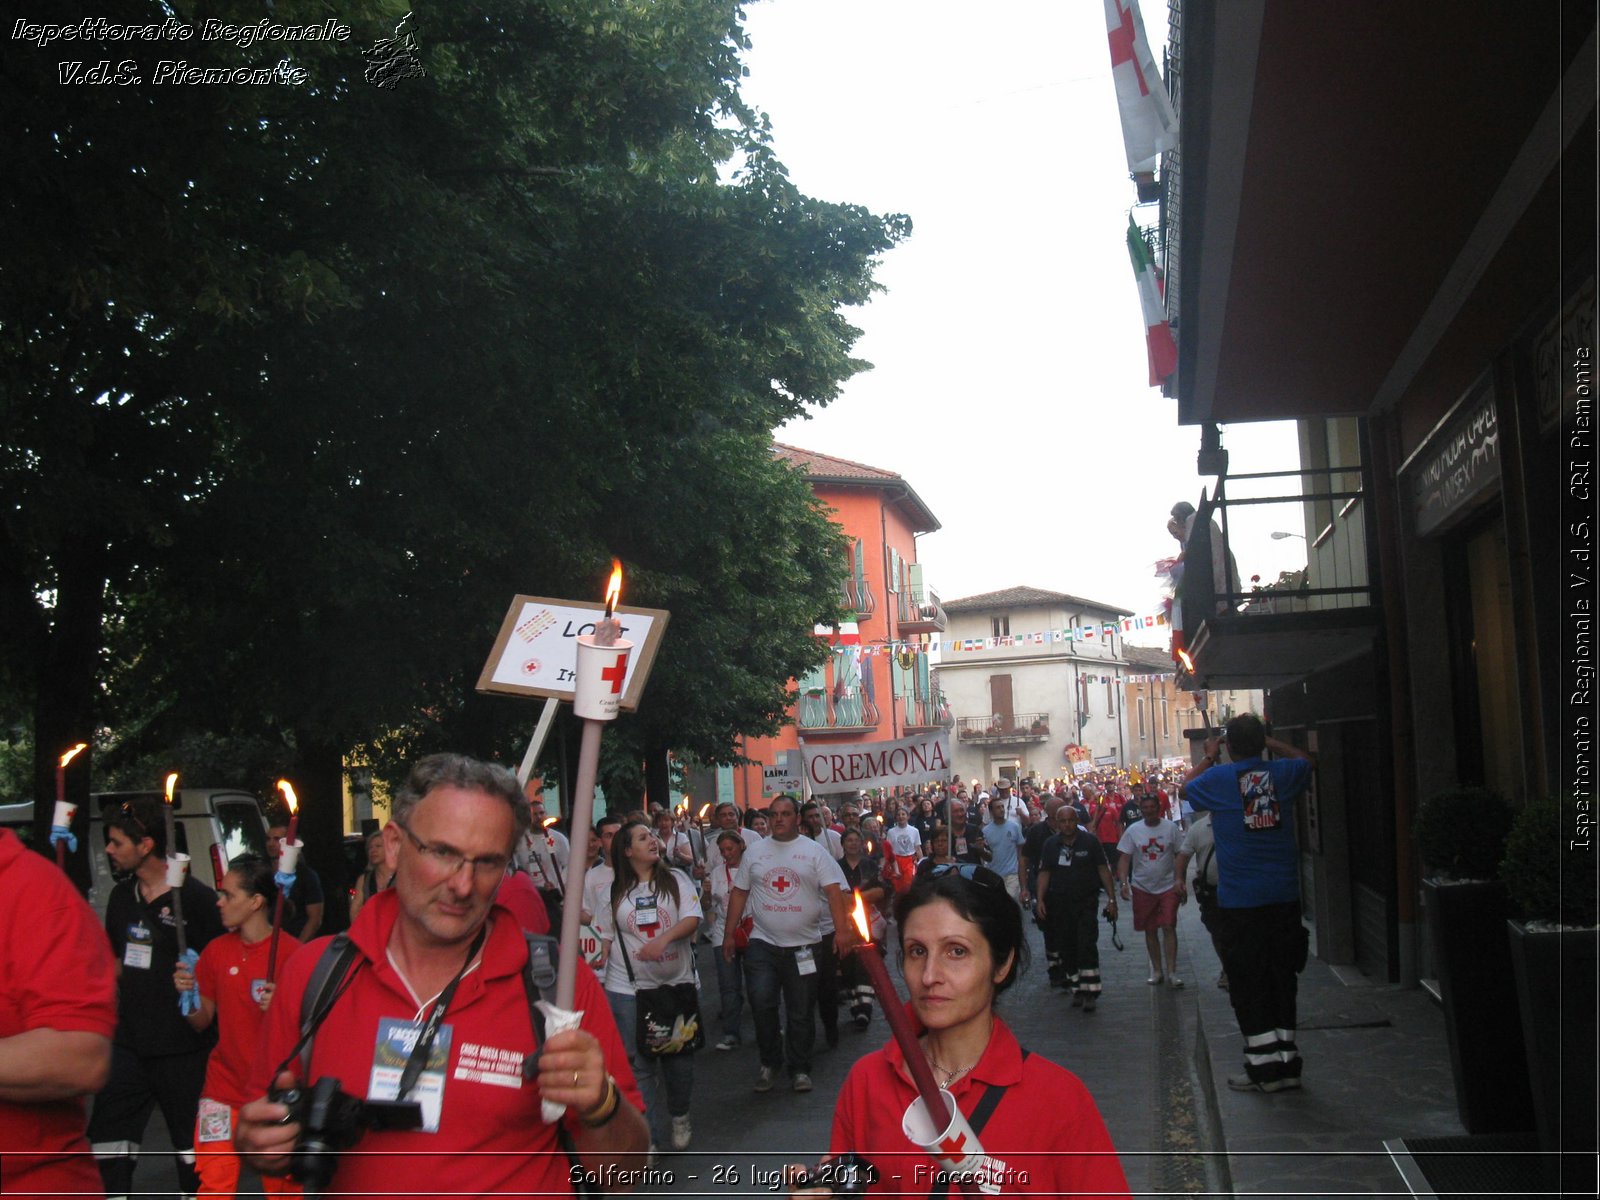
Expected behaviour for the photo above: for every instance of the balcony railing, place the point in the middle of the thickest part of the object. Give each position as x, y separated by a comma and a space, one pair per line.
926, 712
858, 596
819, 712
921, 612
998, 727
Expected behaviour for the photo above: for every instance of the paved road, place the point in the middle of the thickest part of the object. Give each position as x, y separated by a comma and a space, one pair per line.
1133, 1054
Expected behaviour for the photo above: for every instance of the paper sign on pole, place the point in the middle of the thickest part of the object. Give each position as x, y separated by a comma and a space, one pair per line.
781, 778
536, 652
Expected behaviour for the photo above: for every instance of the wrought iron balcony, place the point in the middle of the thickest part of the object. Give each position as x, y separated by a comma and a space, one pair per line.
921, 612
849, 714
997, 728
926, 712
858, 596
1250, 634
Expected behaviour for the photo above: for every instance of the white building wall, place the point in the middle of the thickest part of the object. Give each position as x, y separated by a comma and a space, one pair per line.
1046, 677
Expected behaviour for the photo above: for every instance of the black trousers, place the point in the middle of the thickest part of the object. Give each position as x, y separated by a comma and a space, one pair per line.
122, 1111
1073, 925
1263, 951
828, 987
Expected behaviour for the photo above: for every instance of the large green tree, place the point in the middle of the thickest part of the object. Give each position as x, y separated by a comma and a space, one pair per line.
301, 383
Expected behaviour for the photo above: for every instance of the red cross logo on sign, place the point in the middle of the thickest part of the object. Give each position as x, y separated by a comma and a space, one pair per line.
616, 673
782, 884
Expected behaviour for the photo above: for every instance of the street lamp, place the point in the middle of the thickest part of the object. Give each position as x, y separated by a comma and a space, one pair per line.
1279, 535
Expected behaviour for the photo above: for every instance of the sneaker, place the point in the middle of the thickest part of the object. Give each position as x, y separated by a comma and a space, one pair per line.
728, 1042
1174, 982
802, 1082
1088, 1004
1243, 1083
680, 1132
1155, 979
764, 1080
862, 1020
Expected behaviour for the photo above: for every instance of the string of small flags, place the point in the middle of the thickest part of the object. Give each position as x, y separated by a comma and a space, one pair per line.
1081, 633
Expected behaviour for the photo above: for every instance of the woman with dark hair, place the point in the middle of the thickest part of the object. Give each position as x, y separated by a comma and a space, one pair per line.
230, 979
961, 945
938, 852
647, 934
756, 819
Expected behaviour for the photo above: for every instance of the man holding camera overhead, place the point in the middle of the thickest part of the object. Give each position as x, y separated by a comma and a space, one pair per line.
435, 1009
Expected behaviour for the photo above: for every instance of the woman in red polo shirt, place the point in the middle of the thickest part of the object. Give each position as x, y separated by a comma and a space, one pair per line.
232, 980
961, 945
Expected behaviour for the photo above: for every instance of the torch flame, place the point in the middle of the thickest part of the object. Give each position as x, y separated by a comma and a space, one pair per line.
704, 809
287, 789
614, 587
74, 752
1188, 663
549, 821
172, 782
859, 915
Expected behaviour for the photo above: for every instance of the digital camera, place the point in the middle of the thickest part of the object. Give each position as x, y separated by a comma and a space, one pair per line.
332, 1120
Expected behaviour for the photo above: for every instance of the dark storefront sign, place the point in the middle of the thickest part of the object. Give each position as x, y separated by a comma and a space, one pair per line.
1457, 464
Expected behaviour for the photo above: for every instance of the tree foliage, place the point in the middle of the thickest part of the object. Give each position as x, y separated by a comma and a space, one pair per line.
302, 383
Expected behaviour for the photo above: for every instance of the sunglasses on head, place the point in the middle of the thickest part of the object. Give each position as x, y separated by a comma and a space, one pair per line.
968, 871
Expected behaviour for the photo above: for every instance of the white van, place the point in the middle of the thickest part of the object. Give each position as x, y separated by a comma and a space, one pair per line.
213, 826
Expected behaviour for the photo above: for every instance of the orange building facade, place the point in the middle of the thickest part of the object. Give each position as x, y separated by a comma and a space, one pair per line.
876, 684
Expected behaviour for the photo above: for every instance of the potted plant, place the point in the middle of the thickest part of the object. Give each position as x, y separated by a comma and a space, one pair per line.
1549, 873
1460, 835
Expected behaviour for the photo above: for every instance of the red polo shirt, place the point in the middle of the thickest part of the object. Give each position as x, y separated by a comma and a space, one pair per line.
1046, 1130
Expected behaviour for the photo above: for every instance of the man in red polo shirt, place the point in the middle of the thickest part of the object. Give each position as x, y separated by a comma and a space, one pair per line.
58, 1009
436, 954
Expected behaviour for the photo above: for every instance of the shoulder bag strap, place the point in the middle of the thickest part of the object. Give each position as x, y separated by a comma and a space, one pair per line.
987, 1103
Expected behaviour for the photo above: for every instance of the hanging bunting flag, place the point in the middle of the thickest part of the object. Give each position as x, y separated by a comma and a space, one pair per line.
1149, 121
1160, 347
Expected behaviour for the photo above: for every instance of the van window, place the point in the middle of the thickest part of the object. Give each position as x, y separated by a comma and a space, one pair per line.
240, 822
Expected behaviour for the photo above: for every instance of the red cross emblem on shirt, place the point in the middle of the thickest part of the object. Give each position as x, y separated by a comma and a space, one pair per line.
1122, 47
615, 674
781, 884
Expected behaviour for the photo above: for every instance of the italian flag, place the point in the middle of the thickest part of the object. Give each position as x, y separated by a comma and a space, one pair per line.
1158, 334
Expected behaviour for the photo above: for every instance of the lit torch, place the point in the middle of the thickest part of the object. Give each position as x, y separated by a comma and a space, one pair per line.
602, 669
61, 827
177, 866
288, 863
947, 1137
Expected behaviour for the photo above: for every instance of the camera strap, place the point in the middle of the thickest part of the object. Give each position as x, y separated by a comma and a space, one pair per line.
430, 1027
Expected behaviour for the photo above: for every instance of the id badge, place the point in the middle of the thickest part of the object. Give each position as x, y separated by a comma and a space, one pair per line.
389, 1057
645, 913
215, 1122
139, 951
805, 960
961, 845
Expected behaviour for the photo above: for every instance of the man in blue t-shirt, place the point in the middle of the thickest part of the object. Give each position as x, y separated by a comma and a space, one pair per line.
1258, 932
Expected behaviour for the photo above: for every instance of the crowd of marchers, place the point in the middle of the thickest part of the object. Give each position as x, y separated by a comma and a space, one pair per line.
424, 1034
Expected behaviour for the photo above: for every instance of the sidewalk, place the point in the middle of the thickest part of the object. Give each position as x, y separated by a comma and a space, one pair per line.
1376, 1068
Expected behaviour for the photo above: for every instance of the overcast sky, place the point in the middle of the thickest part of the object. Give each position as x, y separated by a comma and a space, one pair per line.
1010, 380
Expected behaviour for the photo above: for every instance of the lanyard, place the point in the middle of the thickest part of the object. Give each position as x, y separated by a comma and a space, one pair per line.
430, 1028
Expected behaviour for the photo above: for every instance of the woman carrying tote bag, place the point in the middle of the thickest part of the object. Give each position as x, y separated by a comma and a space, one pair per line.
656, 911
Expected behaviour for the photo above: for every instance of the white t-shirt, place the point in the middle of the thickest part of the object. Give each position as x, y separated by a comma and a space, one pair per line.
829, 841
903, 840
547, 852
720, 876
634, 914
1153, 849
597, 889
786, 881
679, 850
1199, 845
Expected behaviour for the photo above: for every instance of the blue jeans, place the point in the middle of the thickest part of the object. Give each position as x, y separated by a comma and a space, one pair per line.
730, 992
770, 971
676, 1071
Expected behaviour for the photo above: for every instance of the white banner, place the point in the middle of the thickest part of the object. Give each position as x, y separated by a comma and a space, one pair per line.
847, 768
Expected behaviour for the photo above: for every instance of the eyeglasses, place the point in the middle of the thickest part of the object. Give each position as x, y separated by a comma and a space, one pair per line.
969, 871
446, 860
